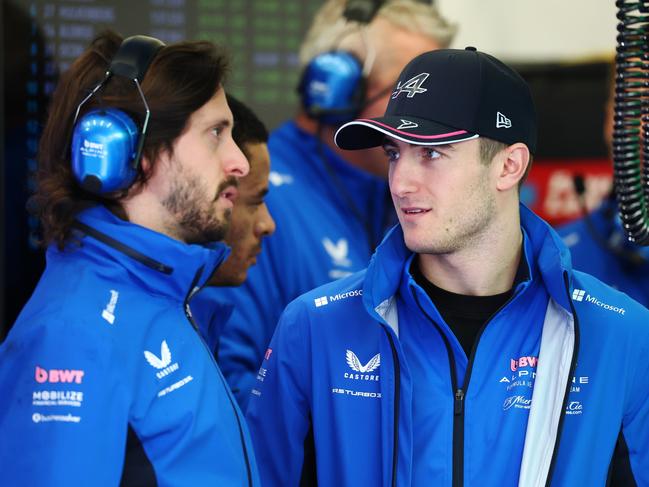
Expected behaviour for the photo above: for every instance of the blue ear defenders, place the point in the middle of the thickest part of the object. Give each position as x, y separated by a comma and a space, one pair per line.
106, 143
332, 86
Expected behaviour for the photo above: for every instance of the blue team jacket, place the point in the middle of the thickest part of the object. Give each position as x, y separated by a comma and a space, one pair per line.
367, 368
104, 376
317, 240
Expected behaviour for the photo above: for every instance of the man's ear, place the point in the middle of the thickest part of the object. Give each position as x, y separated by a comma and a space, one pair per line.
147, 169
146, 166
513, 164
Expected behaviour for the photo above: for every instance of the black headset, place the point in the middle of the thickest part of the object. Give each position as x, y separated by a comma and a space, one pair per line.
106, 142
333, 84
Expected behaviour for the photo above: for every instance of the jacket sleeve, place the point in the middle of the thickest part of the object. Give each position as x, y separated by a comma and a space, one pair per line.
279, 408
63, 415
635, 425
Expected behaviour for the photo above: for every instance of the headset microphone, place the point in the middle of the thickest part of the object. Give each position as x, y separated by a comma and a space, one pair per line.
106, 142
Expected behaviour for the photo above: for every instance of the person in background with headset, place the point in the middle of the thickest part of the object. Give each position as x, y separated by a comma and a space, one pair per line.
597, 241
250, 224
599, 246
331, 208
104, 375
469, 352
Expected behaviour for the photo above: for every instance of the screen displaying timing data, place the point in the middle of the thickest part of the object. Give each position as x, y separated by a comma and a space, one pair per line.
263, 37
41, 38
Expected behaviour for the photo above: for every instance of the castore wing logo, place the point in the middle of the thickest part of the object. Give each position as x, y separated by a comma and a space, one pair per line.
355, 364
165, 357
337, 251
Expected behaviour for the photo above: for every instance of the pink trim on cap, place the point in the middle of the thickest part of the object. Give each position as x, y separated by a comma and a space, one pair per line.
410, 134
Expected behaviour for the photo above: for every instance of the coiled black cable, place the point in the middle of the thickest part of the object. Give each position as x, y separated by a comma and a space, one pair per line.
631, 119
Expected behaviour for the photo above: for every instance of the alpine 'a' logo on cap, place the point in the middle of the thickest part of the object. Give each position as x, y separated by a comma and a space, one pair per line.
412, 86
502, 121
407, 124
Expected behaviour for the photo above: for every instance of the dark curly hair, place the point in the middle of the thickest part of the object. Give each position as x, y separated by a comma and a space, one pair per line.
181, 79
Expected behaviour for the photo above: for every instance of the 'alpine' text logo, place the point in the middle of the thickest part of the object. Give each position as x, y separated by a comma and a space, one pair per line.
412, 86
502, 122
163, 362
581, 295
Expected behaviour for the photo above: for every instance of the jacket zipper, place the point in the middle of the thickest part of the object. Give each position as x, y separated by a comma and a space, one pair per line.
397, 399
573, 366
190, 318
459, 393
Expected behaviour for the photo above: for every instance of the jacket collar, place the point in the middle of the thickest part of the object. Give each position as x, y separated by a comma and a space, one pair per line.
544, 251
160, 264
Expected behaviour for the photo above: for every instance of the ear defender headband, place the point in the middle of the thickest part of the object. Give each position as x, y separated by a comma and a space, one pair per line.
106, 142
332, 86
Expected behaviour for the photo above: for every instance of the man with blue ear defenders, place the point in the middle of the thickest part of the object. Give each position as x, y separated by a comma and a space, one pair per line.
105, 376
331, 207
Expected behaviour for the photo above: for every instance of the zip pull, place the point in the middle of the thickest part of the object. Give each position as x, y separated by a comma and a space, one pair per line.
190, 317
459, 401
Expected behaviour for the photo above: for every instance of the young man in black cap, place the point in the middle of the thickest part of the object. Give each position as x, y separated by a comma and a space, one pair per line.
469, 352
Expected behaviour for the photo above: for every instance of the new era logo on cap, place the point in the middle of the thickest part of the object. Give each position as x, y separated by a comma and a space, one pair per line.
448, 96
502, 121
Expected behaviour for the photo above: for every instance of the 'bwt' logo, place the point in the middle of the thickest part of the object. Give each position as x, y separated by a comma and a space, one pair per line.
58, 375
514, 364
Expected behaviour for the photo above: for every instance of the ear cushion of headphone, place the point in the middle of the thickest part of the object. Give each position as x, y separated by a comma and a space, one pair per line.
332, 87
104, 144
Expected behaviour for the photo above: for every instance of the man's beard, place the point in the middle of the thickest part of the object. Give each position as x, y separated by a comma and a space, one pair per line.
197, 221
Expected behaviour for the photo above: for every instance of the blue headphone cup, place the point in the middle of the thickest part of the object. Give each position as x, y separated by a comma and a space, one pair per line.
332, 87
104, 145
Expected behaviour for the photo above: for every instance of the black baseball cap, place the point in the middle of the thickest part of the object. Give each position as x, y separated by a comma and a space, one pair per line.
450, 95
